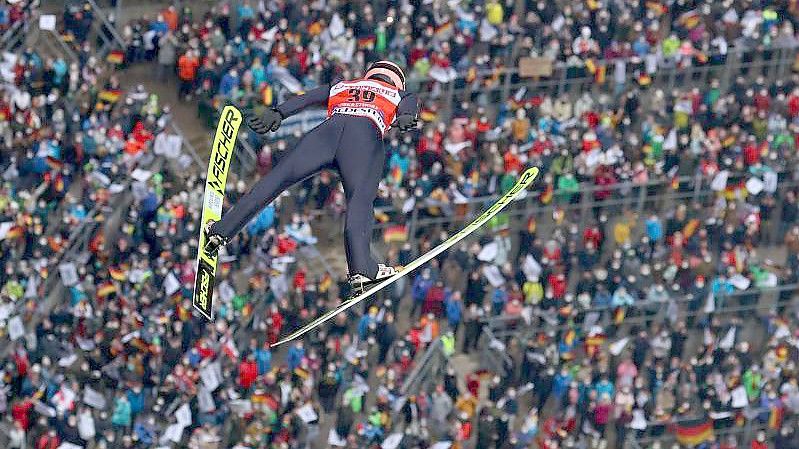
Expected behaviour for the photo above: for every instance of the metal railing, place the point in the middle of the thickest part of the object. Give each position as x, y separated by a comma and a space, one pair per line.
772, 63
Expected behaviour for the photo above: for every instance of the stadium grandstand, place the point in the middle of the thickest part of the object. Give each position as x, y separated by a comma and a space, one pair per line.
643, 295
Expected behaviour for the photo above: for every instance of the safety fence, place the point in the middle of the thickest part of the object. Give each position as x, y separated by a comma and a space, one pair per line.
773, 63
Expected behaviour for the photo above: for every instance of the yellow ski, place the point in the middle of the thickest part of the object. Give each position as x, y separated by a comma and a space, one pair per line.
524, 181
218, 168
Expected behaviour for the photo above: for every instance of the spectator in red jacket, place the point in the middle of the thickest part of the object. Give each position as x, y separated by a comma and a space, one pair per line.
248, 372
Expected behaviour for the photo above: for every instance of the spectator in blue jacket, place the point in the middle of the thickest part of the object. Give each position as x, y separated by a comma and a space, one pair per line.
454, 310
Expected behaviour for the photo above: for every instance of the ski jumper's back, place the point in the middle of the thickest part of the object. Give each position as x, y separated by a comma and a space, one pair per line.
375, 100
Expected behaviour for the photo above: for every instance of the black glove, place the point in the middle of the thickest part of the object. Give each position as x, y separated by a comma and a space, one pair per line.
405, 122
270, 121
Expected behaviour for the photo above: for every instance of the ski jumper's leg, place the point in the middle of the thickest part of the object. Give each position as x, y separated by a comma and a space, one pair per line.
313, 152
360, 159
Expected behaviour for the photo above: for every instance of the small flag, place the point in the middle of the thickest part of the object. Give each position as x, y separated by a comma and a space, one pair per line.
546, 196
775, 417
109, 96
675, 182
657, 7
396, 174
693, 433
690, 19
115, 57
590, 65
782, 352
600, 75
618, 315
366, 42
325, 283
690, 227
471, 74
106, 289
644, 79
14, 232
593, 343
442, 31
428, 115
54, 163
117, 274
397, 233
728, 141
267, 95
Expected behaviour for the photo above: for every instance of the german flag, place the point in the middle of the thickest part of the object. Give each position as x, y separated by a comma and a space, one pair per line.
428, 115
690, 19
396, 174
692, 433
15, 233
690, 227
118, 273
325, 283
105, 289
593, 343
590, 65
729, 141
54, 163
775, 417
471, 74
301, 373
547, 194
443, 30
397, 233
109, 96
246, 310
675, 182
569, 337
115, 57
657, 7
531, 225
618, 315
782, 352
601, 74
381, 217
366, 42
644, 79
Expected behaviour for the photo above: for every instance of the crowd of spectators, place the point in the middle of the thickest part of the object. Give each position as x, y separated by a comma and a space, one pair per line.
613, 296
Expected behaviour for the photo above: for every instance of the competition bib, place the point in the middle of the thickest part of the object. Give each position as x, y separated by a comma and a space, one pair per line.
365, 98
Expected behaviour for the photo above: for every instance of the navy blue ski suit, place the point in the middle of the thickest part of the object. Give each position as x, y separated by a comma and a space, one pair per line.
351, 145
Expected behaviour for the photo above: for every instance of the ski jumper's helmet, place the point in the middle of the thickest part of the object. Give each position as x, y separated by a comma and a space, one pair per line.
388, 72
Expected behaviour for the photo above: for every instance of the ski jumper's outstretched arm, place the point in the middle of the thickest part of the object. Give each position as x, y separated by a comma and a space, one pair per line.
270, 120
297, 103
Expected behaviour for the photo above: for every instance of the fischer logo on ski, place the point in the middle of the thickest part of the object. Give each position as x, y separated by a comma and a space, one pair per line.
218, 167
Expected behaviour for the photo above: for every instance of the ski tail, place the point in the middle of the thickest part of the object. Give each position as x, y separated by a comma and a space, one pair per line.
218, 168
524, 181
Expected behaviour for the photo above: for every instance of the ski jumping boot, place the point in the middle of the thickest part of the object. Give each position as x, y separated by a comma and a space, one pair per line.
360, 283
213, 241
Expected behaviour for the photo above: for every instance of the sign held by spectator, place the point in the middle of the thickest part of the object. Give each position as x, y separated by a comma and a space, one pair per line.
47, 22
533, 67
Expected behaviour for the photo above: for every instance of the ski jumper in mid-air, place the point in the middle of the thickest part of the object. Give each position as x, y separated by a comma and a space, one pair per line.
350, 140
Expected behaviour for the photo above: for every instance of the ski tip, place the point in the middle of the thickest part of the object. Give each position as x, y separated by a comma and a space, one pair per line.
530, 174
280, 342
